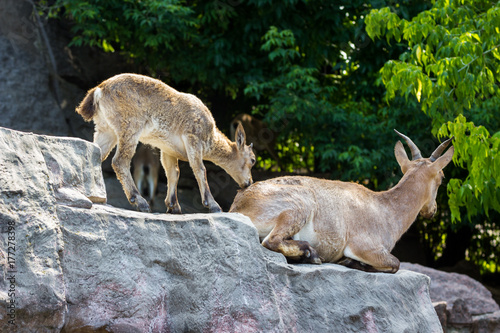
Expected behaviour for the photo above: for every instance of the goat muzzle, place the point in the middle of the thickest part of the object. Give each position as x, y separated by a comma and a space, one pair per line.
247, 183
429, 214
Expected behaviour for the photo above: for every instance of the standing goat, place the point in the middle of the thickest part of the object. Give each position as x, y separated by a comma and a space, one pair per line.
315, 220
129, 108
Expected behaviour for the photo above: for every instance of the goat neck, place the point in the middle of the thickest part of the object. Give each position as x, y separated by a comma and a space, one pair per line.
405, 200
222, 149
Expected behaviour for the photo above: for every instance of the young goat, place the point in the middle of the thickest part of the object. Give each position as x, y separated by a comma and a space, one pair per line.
315, 220
129, 108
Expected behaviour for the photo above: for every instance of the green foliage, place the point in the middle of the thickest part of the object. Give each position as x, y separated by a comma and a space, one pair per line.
453, 56
138, 29
333, 106
452, 67
295, 98
477, 152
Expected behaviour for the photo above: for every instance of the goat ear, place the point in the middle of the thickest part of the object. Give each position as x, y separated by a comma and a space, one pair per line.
401, 157
443, 161
240, 137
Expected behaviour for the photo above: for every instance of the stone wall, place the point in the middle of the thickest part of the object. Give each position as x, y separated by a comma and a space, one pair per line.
42, 78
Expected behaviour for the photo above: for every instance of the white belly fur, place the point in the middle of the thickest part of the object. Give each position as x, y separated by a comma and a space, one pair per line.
172, 144
307, 232
349, 254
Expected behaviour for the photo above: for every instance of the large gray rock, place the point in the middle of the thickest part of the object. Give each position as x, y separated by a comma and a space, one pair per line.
83, 267
35, 172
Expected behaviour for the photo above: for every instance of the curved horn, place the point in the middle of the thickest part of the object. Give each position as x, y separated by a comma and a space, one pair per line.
415, 152
439, 150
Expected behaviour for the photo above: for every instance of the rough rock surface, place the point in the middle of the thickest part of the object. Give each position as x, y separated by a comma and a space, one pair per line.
460, 301
42, 78
78, 266
27, 102
34, 172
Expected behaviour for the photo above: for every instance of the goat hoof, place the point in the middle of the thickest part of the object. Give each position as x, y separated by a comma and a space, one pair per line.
140, 203
312, 260
316, 261
215, 209
144, 209
174, 210
311, 257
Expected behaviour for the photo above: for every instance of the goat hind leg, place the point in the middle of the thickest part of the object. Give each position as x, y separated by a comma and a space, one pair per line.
280, 239
121, 164
106, 140
171, 166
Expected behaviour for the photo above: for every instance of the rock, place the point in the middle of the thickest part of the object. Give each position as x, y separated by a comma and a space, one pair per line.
64, 164
42, 78
28, 101
469, 304
459, 315
487, 323
206, 272
73, 198
440, 308
81, 269
450, 287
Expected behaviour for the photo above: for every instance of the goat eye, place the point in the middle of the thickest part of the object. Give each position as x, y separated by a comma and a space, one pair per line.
252, 161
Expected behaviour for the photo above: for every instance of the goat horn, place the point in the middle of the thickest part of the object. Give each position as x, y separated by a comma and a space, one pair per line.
415, 152
439, 150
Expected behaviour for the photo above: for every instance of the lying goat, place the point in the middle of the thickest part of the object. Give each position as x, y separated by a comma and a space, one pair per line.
315, 220
129, 108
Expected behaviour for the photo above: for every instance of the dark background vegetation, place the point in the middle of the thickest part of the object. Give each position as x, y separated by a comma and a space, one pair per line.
311, 71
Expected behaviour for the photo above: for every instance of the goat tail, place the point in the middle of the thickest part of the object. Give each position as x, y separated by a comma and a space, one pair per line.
88, 107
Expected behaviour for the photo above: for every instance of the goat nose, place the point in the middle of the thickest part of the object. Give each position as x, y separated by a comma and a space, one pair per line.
248, 182
430, 214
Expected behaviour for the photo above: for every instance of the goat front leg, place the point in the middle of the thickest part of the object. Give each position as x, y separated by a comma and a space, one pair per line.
355, 264
375, 260
288, 223
121, 164
194, 152
171, 166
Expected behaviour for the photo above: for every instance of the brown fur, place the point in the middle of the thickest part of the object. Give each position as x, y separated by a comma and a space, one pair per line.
87, 107
129, 108
340, 221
